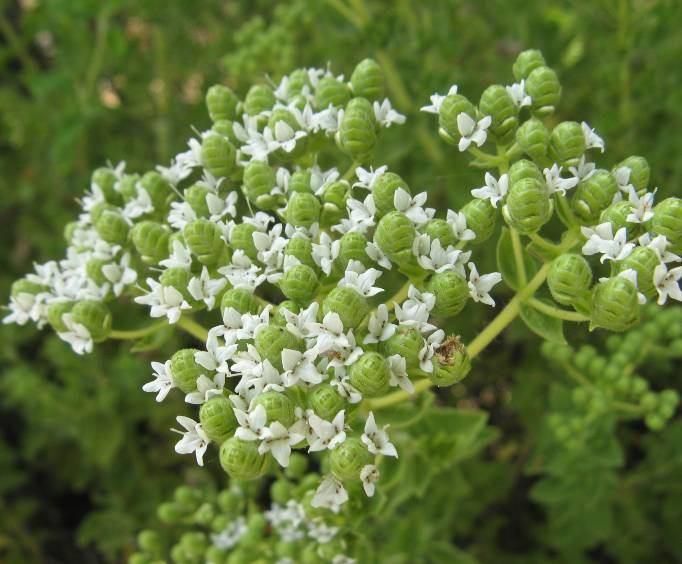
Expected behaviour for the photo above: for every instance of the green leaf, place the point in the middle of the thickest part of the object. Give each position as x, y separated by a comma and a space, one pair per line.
506, 263
547, 327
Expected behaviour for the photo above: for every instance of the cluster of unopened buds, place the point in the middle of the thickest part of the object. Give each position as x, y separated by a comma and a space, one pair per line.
324, 288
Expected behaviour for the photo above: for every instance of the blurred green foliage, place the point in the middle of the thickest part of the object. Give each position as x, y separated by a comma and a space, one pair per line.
85, 456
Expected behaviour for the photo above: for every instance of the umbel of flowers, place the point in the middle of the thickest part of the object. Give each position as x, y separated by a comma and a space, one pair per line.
319, 289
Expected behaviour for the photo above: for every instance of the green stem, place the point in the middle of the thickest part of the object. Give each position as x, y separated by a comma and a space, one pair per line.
399, 296
487, 159
556, 312
351, 170
544, 244
518, 256
346, 11
193, 328
130, 334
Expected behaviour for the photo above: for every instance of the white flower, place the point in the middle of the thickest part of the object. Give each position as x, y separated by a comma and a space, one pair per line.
140, 205
583, 170
386, 115
369, 475
251, 424
286, 136
517, 92
472, 131
480, 286
325, 252
300, 366
434, 341
180, 215
601, 240
220, 207
24, 307
376, 440
179, 258
414, 311
494, 189
230, 535
437, 101
330, 494
667, 283
659, 244
206, 388
119, 275
77, 335
215, 357
360, 216
163, 380
398, 375
622, 177
298, 323
379, 327
555, 183
367, 178
164, 301
440, 259
329, 333
175, 173
412, 207
458, 224
592, 140
328, 435
203, 288
377, 255
361, 280
341, 383
630, 275
194, 440
642, 208
278, 440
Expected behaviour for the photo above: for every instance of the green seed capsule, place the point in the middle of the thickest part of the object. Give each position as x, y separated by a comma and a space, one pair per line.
569, 279
112, 227
615, 305
407, 344
303, 209
325, 401
639, 171
370, 374
300, 181
528, 206
452, 106
218, 155
259, 180
451, 364
204, 239
593, 195
667, 221
195, 196
259, 98
240, 299
349, 458
217, 419
349, 304
533, 138
352, 247
367, 80
526, 62
241, 460
523, 169
221, 103
542, 85
278, 407
300, 284
394, 234
567, 143
451, 291
95, 317
441, 230
185, 370
158, 188
384, 190
617, 214
178, 278
271, 340
55, 311
106, 179
357, 131
331, 92
643, 260
498, 104
241, 237
481, 218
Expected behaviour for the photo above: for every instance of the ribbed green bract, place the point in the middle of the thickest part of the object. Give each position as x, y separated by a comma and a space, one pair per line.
533, 138
259, 98
225, 127
195, 196
367, 80
55, 311
218, 155
185, 370
301, 248
241, 460
241, 237
395, 234
383, 191
349, 458
352, 247
94, 316
481, 218
204, 239
667, 221
297, 80
451, 291
240, 299
617, 214
259, 180
452, 106
639, 171
98, 209
567, 143
569, 278
151, 240
127, 186
158, 188
282, 114
407, 343
303, 209
357, 132
593, 195
178, 278
217, 419
528, 206
349, 304
542, 85
615, 305
299, 283
441, 230
334, 203
498, 104
271, 340
331, 92
23, 286
300, 181
221, 103
112, 227
277, 406
369, 374
325, 401
287, 305
643, 260
526, 62
106, 179
522, 169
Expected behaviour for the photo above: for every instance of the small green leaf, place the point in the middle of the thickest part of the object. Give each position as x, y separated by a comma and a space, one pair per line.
506, 263
547, 327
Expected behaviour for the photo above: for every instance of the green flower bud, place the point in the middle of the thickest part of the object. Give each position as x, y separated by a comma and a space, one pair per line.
334, 203
287, 305
395, 234
112, 227
221, 103
178, 278
300, 284
302, 249
281, 491
569, 279
55, 311
528, 206
298, 465
451, 363
452, 106
297, 80
639, 171
300, 181
259, 98
523, 169
195, 196
23, 286
106, 179
498, 104
617, 214
97, 211
643, 260
225, 128
217, 419
150, 541
349, 458
71, 227
325, 401
407, 344
194, 544
303, 209
367, 80
357, 134
451, 291
95, 317
241, 237
171, 513
185, 370
384, 190
370, 374
240, 299
533, 138
352, 247
218, 155
542, 85
567, 143
593, 195
526, 62
271, 340
278, 407
481, 218
441, 230
259, 180
204, 239
331, 92
349, 304
615, 305
158, 188
667, 221
283, 115
93, 269
150, 240
241, 460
